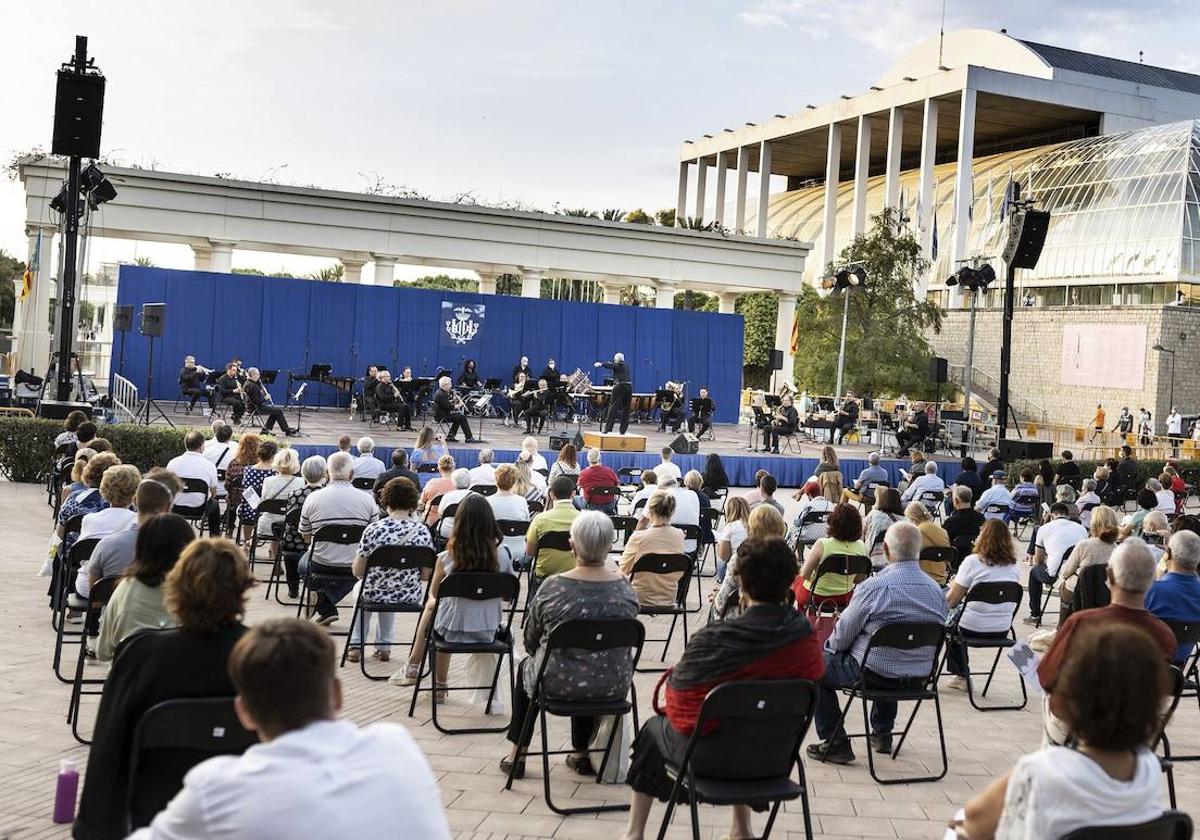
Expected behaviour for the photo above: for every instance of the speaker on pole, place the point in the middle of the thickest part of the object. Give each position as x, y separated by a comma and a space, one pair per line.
123, 317
78, 108
939, 370
776, 360
154, 316
1026, 236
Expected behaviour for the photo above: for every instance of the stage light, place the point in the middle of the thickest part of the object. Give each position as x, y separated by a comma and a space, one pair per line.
59, 203
986, 275
858, 275
96, 186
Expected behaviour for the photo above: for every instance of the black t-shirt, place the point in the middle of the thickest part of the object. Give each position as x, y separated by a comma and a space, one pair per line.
963, 523
189, 377
469, 378
227, 384
620, 371
704, 405
1068, 469
443, 404
519, 369
989, 468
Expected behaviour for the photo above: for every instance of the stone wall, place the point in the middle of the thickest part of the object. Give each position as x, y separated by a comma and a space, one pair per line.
1037, 348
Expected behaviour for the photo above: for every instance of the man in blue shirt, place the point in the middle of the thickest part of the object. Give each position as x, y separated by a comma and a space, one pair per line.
1176, 596
901, 593
864, 484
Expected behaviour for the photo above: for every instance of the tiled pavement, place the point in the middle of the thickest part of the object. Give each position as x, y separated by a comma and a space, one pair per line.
846, 803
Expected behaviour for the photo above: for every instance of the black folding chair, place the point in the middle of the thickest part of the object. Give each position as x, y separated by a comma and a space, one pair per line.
665, 564
638, 505
808, 519
933, 501
946, 555
851, 565
428, 467
195, 514
320, 573
623, 528
474, 586
484, 489
603, 495
548, 541
908, 636
98, 599
694, 535
1052, 587
389, 558
363, 483
275, 507
774, 712
1023, 511
170, 739
868, 493
291, 520
592, 636
630, 479
1172, 825
67, 569
988, 592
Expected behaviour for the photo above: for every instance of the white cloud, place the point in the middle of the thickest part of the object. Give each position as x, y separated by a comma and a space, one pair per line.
762, 19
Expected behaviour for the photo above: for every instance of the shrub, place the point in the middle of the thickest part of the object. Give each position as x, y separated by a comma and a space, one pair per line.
27, 445
1146, 469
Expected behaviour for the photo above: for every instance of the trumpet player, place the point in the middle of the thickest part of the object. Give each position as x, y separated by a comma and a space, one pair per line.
449, 408
229, 391
259, 399
192, 383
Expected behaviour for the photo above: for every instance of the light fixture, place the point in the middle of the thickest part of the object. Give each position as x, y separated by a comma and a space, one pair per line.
59, 203
96, 186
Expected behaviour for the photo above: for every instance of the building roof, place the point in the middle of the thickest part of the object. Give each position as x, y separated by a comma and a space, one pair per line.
1114, 68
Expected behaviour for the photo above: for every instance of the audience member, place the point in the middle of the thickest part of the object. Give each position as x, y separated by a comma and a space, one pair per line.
593, 476
871, 475
964, 522
281, 485
1087, 501
654, 535
886, 510
764, 522
1176, 595
715, 477
221, 450
292, 545
667, 470
367, 465
247, 456
429, 449
933, 535
566, 464
732, 534
557, 517
1096, 550
462, 488
992, 560
928, 482
399, 469
968, 477
484, 474
435, 488
845, 537
1131, 525
994, 502
766, 489
117, 488
830, 495
1054, 539
649, 486
115, 552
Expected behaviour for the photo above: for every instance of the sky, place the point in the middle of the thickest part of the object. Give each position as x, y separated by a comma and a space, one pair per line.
531, 101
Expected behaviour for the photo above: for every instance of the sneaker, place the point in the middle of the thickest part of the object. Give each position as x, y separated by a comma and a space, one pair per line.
882, 743
835, 752
74, 617
406, 677
324, 620
957, 683
1034, 620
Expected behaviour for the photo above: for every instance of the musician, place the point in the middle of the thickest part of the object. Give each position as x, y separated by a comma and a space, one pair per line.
551, 374
847, 418
259, 399
522, 367
389, 400
192, 383
228, 391
622, 393
786, 421
916, 428
670, 411
538, 407
702, 413
469, 378
449, 408
370, 381
241, 371
518, 397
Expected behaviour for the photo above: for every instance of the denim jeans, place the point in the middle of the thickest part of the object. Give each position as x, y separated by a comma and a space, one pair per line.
1039, 576
582, 504
333, 591
842, 669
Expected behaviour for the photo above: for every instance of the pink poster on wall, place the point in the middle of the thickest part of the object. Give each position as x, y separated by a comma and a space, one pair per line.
1104, 355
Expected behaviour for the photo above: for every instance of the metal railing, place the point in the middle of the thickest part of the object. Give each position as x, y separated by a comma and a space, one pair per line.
982, 380
124, 399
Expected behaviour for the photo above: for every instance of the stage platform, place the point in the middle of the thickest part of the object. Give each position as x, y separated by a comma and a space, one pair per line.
320, 430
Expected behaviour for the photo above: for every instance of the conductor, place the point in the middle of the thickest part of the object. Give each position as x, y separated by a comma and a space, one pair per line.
622, 393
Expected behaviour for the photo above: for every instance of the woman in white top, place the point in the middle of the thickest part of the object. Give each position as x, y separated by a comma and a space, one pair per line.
1110, 778
993, 560
530, 484
567, 464
737, 512
1166, 498
508, 506
1087, 498
286, 481
536, 461
118, 487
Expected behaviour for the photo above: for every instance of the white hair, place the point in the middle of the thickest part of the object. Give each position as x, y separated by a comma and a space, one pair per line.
618, 357
1089, 485
252, 372
1154, 484
1132, 566
930, 467
340, 466
873, 459
461, 478
445, 380
529, 445
366, 444
485, 456
903, 541
287, 461
313, 469
1185, 550
592, 537
593, 456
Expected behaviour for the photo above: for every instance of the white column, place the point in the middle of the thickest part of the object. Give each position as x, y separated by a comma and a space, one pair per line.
764, 187
351, 269
743, 175
487, 282
701, 187
31, 318
385, 269
929, 125
783, 334
891, 190
201, 258
719, 209
531, 282
963, 186
833, 168
681, 199
664, 295
726, 301
612, 292
862, 167
221, 258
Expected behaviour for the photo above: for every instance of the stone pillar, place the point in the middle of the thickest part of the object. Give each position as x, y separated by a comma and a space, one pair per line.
764, 187
681, 198
664, 296
221, 257
701, 187
351, 269
531, 282
925, 203
487, 282
891, 190
31, 318
385, 269
862, 167
726, 302
964, 187
612, 292
201, 258
743, 175
783, 334
833, 167
719, 209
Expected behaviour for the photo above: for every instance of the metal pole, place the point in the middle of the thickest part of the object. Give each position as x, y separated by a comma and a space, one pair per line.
842, 350
970, 359
66, 288
1005, 351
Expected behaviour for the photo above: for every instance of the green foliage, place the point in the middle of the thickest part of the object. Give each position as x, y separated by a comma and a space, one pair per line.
612, 214
696, 301
11, 271
580, 213
759, 311
441, 281
639, 217
251, 271
332, 274
666, 217
145, 262
27, 445
886, 350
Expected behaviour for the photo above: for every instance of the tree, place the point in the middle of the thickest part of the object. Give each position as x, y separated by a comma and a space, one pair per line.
666, 218
580, 213
143, 261
251, 271
612, 214
440, 281
759, 311
886, 349
639, 217
332, 274
696, 301
11, 272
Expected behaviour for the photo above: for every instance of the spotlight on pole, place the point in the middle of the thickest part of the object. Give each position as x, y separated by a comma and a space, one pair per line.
852, 276
96, 186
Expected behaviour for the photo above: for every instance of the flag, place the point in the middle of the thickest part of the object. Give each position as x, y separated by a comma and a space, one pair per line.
795, 344
31, 270
971, 199
1008, 193
933, 248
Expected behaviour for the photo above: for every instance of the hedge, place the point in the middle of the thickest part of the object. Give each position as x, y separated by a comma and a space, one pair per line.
27, 445
1146, 469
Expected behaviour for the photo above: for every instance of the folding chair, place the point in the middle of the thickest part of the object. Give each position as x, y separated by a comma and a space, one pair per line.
630, 479
275, 507
868, 494
1022, 511
995, 511
988, 592
774, 712
97, 600
198, 514
1188, 633
933, 501
1172, 825
445, 516
65, 598
484, 489
396, 558
548, 541
945, 555
907, 636
604, 496
320, 573
790, 443
363, 483
850, 565
638, 505
475, 586
512, 530
623, 528
1052, 588
171, 738
1167, 762
809, 518
290, 520
721, 494
428, 468
666, 564
576, 637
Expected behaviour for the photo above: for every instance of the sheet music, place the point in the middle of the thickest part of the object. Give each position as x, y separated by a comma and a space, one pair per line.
300, 393
1022, 656
251, 498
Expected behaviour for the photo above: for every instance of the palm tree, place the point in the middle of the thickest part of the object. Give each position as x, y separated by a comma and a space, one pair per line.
146, 262
332, 274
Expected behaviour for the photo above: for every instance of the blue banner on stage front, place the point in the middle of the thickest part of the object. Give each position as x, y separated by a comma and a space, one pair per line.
462, 323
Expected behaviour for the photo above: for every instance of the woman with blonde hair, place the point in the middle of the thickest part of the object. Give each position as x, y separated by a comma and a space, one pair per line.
992, 560
829, 488
933, 535
764, 522
527, 485
733, 534
429, 448
536, 460
654, 535
829, 463
1094, 551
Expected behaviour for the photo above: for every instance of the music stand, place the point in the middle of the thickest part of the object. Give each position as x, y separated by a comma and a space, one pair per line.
319, 371
268, 377
491, 384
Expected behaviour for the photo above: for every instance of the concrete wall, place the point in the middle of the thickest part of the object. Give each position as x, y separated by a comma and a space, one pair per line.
1036, 357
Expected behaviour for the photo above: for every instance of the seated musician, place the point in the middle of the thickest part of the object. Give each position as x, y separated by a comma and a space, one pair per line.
671, 409
702, 413
847, 417
259, 399
370, 381
551, 373
787, 420
192, 384
519, 396
538, 407
448, 408
915, 430
469, 378
522, 367
228, 391
389, 401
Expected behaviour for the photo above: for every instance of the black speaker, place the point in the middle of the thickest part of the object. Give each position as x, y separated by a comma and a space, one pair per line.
557, 442
154, 316
78, 108
1026, 236
776, 360
55, 410
1025, 450
939, 370
123, 317
686, 444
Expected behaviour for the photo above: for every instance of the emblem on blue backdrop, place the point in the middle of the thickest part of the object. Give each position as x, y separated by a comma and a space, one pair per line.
461, 323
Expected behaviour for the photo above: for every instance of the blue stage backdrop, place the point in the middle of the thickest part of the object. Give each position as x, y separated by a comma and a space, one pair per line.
289, 324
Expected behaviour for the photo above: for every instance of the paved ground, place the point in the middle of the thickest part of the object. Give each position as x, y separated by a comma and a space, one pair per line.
846, 803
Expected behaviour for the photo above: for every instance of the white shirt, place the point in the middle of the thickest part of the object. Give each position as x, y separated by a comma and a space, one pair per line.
221, 455
1166, 501
733, 533
1174, 423
368, 466
667, 470
330, 775
339, 503
997, 494
513, 508
193, 465
923, 482
1057, 790
687, 512
1055, 537
1085, 516
985, 618
483, 474
453, 497
105, 522
538, 462
645, 492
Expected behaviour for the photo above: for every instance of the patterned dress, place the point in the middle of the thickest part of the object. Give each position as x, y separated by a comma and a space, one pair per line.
392, 586
292, 542
253, 477
85, 501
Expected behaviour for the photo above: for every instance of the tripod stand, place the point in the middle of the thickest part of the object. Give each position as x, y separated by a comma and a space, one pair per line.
144, 409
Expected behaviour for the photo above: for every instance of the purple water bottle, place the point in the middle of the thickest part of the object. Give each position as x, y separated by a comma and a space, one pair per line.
64, 795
